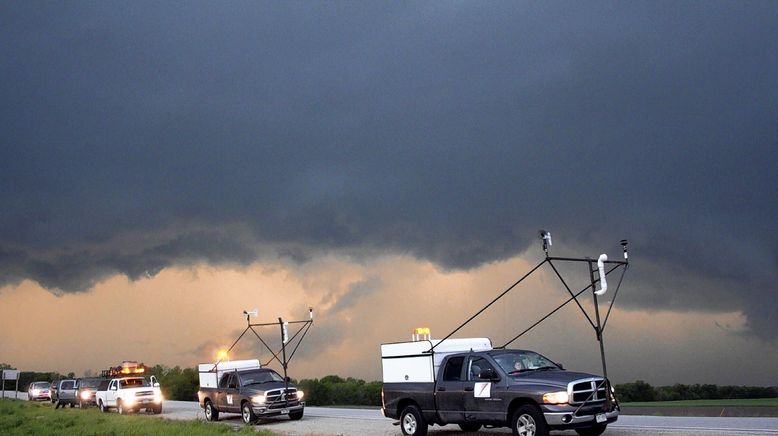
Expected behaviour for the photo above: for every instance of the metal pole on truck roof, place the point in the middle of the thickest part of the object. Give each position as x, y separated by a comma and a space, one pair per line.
284, 337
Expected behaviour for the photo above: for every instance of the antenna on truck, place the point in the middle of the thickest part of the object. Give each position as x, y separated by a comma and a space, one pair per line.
601, 266
286, 341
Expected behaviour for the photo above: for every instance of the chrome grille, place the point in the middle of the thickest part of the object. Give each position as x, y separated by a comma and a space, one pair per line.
276, 395
590, 390
143, 393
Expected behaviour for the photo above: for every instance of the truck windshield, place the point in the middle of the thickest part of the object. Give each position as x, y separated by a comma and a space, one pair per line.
89, 383
134, 383
259, 377
517, 361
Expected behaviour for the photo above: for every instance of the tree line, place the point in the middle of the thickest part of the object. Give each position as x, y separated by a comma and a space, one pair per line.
642, 391
181, 384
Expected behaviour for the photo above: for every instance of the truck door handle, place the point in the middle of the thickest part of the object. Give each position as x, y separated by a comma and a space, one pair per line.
469, 389
441, 389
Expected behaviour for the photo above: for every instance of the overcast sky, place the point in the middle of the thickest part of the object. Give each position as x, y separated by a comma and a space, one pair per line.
143, 140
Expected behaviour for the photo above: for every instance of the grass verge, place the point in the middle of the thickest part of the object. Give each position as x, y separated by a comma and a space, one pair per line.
26, 418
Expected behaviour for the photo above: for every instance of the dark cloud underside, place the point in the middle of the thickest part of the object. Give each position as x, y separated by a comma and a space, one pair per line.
140, 136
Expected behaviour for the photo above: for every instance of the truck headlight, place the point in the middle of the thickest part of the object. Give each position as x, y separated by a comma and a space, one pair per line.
556, 397
129, 401
158, 397
258, 399
85, 395
300, 394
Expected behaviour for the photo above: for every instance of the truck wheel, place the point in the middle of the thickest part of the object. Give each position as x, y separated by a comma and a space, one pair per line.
121, 409
157, 410
528, 421
248, 413
211, 414
596, 430
470, 427
102, 406
296, 416
412, 422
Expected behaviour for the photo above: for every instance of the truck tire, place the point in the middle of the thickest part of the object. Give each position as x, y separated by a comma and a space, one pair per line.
211, 414
528, 421
247, 413
120, 408
157, 410
470, 427
296, 416
102, 406
596, 430
412, 422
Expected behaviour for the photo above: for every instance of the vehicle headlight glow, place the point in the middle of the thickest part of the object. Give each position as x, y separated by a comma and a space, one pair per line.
128, 401
300, 394
560, 397
258, 399
158, 397
85, 395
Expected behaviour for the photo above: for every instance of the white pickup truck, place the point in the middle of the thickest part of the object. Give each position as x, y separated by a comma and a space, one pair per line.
128, 394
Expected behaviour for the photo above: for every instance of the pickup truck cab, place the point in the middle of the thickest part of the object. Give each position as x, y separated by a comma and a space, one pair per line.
128, 394
246, 388
520, 389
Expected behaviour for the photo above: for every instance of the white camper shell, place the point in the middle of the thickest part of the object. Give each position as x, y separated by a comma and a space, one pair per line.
411, 362
211, 373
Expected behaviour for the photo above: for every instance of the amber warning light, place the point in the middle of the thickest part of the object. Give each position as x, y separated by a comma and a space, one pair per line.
421, 334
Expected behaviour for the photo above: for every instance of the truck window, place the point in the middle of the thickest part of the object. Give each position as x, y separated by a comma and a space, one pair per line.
476, 365
67, 385
453, 371
226, 380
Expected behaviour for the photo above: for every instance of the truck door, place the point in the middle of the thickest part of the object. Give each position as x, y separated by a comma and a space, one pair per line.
67, 390
483, 399
227, 398
110, 394
449, 390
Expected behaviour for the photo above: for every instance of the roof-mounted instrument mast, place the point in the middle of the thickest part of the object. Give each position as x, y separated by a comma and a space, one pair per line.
598, 270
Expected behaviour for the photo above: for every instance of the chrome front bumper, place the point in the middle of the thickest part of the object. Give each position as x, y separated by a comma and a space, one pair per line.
555, 419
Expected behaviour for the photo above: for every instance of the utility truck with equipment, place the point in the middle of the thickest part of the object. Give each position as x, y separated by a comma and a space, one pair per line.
249, 387
244, 387
470, 382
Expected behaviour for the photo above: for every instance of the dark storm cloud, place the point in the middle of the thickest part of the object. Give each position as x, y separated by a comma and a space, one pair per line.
449, 131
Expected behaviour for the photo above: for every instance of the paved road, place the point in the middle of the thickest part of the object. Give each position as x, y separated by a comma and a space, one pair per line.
344, 419
321, 421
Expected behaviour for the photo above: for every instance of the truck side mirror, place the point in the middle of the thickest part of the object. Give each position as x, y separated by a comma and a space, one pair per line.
113, 388
488, 374
560, 366
287, 379
156, 384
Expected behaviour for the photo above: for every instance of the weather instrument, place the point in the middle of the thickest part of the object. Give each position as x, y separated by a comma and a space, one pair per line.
286, 341
598, 269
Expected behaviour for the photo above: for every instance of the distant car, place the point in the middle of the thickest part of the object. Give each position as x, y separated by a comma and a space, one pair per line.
53, 390
39, 391
85, 391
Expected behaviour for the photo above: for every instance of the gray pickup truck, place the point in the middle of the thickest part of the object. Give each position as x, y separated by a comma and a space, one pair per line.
254, 393
519, 389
